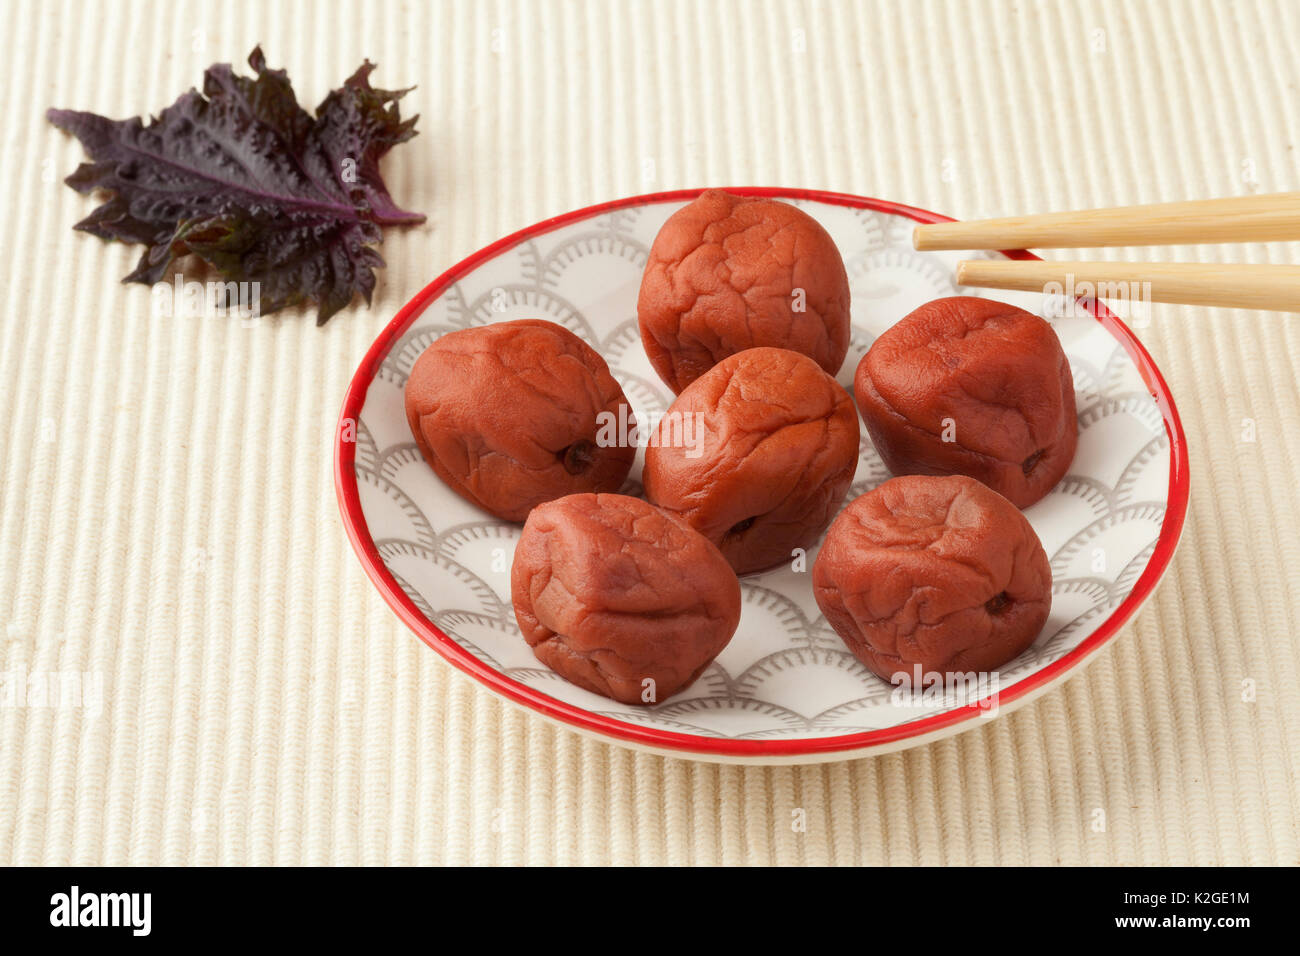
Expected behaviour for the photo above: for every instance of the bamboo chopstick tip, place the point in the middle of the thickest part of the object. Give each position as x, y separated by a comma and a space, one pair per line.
923, 236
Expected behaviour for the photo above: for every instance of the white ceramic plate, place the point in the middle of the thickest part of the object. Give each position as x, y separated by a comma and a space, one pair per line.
785, 689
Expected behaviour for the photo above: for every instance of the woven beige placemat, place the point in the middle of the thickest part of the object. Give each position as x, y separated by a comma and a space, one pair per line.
169, 521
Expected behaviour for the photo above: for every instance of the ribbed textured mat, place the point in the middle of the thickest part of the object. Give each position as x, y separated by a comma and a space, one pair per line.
169, 520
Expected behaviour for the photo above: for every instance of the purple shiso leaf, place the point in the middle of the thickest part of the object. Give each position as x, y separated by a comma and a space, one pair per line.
244, 178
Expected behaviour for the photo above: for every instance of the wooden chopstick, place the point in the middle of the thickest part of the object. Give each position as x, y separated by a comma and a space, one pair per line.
1275, 287
1267, 218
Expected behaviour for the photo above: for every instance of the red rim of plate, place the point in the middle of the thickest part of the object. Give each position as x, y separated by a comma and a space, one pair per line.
359, 533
